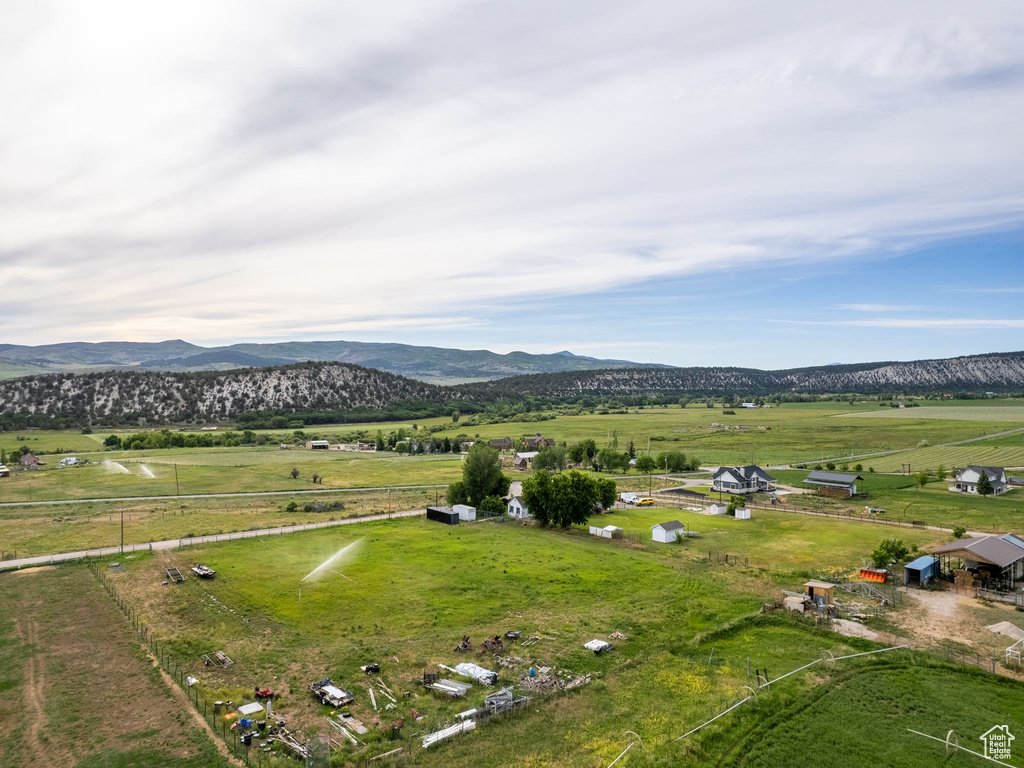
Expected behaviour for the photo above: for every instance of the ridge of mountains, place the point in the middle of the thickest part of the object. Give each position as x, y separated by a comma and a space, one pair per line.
438, 365
135, 396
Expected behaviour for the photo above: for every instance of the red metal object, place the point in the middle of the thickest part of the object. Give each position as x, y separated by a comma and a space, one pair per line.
870, 574
264, 693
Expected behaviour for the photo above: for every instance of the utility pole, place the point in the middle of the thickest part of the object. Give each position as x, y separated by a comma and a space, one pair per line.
122, 531
177, 490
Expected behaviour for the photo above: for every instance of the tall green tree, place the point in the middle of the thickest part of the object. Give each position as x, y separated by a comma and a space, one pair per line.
984, 484
563, 500
481, 474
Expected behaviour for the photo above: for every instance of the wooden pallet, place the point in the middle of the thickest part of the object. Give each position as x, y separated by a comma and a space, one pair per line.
174, 575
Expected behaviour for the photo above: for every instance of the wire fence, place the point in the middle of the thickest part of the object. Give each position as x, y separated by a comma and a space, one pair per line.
250, 755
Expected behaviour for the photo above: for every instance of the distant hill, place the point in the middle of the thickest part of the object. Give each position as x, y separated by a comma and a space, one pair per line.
129, 397
1002, 372
434, 364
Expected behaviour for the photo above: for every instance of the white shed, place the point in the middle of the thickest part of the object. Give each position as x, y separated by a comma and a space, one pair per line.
465, 511
517, 508
718, 508
666, 532
742, 513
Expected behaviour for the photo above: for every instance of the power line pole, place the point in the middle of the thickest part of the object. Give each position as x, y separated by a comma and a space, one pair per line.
177, 489
122, 531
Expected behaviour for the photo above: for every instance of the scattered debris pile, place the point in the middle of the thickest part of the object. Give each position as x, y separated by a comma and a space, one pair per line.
328, 693
549, 683
616, 636
493, 645
513, 634
465, 645
509, 662
447, 733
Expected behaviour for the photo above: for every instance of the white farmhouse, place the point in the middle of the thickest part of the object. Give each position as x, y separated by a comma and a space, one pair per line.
517, 508
966, 480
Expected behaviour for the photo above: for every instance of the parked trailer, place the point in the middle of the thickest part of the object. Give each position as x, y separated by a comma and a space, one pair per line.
328, 693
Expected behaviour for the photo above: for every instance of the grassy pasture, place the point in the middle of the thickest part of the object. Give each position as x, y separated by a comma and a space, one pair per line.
223, 470
934, 504
413, 588
980, 410
77, 690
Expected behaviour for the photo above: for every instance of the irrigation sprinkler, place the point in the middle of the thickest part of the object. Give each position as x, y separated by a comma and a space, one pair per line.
952, 743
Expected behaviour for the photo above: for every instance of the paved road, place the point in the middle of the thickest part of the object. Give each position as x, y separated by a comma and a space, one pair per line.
219, 495
27, 562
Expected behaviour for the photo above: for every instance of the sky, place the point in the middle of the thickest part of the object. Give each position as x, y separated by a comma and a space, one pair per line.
767, 185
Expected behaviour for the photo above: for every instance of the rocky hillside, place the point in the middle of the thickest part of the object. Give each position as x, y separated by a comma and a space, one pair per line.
999, 372
135, 397
130, 397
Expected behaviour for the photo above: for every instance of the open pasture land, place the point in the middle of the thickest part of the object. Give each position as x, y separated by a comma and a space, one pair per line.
798, 431
44, 529
77, 688
407, 591
223, 470
902, 500
794, 432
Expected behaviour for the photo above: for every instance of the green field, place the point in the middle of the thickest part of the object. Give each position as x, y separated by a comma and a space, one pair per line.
223, 470
904, 501
77, 689
930, 459
412, 588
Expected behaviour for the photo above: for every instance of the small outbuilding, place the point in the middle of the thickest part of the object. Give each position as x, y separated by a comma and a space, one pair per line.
317, 445
443, 515
4, 471
718, 508
523, 459
919, 572
517, 508
608, 532
743, 513
464, 511
821, 593
666, 533
834, 483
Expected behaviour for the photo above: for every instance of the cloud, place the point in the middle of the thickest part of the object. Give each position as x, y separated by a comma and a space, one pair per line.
962, 323
878, 307
309, 167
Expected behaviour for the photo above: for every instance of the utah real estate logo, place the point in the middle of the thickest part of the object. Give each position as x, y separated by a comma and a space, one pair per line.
997, 742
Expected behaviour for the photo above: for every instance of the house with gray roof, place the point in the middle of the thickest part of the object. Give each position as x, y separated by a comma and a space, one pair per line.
966, 480
742, 480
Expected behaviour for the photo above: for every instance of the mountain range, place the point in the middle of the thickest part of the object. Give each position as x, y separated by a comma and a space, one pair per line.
347, 390
438, 365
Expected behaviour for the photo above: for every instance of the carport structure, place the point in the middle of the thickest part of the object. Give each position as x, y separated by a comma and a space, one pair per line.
1001, 557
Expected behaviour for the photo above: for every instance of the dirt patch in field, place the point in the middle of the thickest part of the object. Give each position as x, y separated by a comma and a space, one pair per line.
35, 569
853, 629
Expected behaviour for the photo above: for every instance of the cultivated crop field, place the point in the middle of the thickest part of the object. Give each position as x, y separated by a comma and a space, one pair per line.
407, 591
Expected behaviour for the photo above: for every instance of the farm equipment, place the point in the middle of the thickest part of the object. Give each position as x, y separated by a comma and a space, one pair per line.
328, 693
263, 693
174, 575
203, 571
